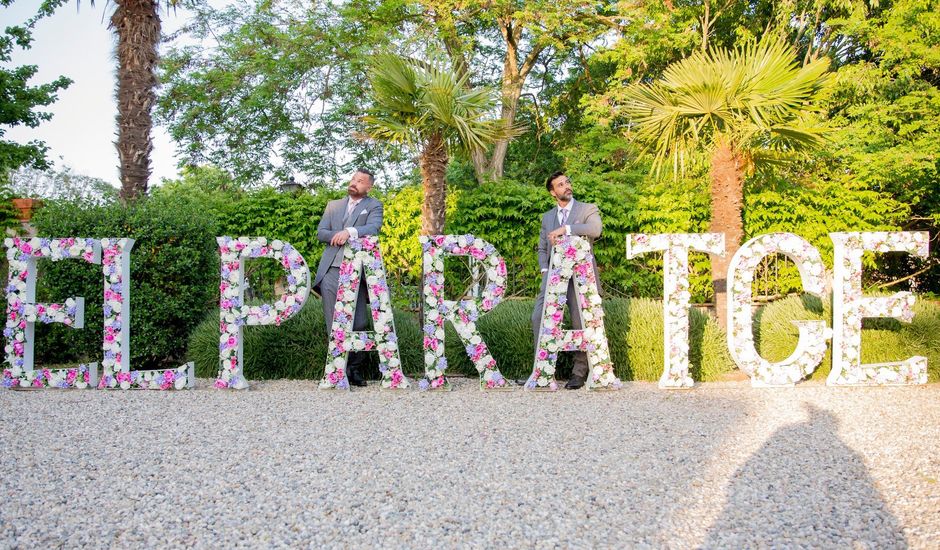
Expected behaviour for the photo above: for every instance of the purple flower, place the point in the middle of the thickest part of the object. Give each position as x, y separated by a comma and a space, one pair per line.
343, 384
424, 384
442, 363
429, 329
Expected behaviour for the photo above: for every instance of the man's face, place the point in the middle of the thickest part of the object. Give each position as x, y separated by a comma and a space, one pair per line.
561, 188
359, 185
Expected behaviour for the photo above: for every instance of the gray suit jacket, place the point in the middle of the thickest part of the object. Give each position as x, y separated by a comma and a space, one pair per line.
584, 220
366, 217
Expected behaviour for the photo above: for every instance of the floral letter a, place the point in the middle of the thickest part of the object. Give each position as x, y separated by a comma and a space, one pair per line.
360, 255
572, 257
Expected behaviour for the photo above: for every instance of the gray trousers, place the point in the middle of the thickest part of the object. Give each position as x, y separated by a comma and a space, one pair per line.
580, 368
328, 287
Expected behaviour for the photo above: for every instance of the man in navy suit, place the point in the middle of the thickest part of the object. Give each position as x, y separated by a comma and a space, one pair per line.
569, 217
354, 216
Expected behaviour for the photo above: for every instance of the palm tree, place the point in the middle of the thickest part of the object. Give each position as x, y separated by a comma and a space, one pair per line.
137, 26
429, 107
741, 108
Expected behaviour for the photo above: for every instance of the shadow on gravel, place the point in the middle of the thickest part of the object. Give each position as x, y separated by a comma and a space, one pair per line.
805, 487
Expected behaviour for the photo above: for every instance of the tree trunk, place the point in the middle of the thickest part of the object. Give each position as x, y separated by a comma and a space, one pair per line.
512, 90
727, 197
433, 162
137, 25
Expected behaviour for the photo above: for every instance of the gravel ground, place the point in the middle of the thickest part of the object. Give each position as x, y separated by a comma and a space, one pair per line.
722, 465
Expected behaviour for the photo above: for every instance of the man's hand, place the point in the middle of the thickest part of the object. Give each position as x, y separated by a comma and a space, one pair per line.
340, 238
556, 235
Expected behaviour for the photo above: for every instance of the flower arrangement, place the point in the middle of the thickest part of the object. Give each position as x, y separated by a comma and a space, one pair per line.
463, 313
179, 378
811, 346
22, 311
234, 314
850, 307
79, 377
676, 296
361, 257
572, 257
115, 366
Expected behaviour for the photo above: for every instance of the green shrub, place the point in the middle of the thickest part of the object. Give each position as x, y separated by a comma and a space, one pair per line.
292, 217
883, 340
634, 333
174, 278
297, 348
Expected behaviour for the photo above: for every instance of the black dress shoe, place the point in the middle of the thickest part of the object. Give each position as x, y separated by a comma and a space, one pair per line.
574, 384
355, 379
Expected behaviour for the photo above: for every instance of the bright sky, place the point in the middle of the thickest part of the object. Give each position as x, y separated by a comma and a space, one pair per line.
77, 43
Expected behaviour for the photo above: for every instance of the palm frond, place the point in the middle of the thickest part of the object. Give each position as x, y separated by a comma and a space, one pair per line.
756, 96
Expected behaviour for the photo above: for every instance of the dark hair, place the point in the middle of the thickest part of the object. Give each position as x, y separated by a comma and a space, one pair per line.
368, 173
548, 182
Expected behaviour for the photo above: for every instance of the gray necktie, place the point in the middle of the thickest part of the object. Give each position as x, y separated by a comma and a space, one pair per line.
564, 216
349, 210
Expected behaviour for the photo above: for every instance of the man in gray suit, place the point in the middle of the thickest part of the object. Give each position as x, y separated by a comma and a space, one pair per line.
355, 216
570, 217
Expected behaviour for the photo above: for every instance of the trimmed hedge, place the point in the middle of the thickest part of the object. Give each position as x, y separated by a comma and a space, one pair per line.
297, 349
174, 278
883, 340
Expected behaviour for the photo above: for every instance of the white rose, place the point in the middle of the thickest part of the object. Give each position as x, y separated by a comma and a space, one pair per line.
125, 385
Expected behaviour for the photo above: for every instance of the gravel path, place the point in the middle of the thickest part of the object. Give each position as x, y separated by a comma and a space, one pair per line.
723, 465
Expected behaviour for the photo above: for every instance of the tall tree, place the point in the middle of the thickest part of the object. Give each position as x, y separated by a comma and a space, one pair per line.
19, 100
504, 41
137, 26
271, 89
428, 106
739, 107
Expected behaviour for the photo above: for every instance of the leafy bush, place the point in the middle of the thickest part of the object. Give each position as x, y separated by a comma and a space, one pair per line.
883, 340
174, 278
297, 348
286, 216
